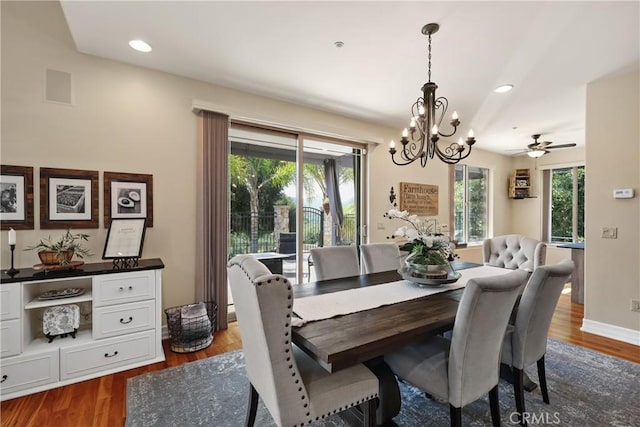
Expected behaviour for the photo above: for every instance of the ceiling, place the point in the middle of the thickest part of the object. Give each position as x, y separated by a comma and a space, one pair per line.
548, 50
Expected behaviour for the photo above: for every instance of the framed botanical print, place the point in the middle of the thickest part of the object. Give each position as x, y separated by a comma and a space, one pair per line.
16, 197
68, 198
127, 196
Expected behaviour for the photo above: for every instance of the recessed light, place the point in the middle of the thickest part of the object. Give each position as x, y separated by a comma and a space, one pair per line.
140, 46
338, 44
503, 89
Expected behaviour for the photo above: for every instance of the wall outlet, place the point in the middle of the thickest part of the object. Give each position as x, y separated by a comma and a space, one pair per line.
635, 305
609, 232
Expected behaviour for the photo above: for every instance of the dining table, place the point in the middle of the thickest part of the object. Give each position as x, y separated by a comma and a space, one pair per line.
365, 336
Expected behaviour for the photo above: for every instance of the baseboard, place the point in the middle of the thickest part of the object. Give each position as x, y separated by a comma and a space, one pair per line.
618, 333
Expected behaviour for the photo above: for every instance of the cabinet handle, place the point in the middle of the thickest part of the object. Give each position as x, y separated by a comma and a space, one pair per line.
115, 353
4, 378
124, 322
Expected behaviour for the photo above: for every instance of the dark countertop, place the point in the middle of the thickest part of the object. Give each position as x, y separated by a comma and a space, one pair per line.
92, 269
572, 245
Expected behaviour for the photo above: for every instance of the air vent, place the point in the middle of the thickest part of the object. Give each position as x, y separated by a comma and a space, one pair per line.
58, 87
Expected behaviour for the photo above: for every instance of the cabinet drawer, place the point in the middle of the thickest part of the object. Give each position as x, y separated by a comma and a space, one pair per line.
122, 319
10, 338
22, 372
106, 354
122, 288
10, 305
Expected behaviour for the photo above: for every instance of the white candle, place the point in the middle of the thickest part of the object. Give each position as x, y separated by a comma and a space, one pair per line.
470, 133
12, 236
392, 144
405, 133
454, 116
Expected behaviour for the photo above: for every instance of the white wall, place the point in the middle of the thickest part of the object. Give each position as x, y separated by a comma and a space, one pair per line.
612, 276
125, 119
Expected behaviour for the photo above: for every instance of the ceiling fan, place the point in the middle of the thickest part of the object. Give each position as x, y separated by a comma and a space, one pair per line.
540, 148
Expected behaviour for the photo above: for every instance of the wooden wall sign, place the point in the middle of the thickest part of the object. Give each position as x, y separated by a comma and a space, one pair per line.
419, 199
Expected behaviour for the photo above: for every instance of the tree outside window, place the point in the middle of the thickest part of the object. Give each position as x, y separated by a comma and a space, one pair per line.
471, 201
567, 204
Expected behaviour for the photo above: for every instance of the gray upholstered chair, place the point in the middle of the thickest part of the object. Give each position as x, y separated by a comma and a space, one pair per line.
514, 251
332, 262
526, 341
295, 389
461, 370
378, 257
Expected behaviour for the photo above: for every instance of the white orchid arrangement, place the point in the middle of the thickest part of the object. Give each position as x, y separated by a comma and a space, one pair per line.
420, 239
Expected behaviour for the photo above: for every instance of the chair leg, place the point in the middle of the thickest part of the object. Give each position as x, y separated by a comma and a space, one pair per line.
252, 408
456, 416
542, 377
518, 392
369, 411
494, 404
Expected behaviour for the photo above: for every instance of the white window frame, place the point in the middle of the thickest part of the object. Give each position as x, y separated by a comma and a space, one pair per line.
489, 225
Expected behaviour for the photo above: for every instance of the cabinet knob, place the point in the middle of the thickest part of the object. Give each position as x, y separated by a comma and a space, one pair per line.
4, 378
124, 322
121, 289
115, 353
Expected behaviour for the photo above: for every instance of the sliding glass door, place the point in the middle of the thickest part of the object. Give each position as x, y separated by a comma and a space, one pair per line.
291, 192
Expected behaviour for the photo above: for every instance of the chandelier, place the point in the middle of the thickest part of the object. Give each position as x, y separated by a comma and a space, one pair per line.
420, 140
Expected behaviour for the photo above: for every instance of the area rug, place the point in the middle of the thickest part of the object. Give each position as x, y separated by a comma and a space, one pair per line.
586, 389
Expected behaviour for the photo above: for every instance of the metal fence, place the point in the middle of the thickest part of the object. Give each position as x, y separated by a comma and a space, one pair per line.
241, 240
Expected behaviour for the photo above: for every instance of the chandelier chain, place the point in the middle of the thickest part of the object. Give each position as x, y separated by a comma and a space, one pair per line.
429, 57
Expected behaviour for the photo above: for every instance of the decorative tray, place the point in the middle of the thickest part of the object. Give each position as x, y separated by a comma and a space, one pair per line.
420, 280
52, 267
61, 293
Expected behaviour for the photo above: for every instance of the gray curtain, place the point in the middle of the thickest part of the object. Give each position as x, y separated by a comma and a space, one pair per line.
335, 203
212, 219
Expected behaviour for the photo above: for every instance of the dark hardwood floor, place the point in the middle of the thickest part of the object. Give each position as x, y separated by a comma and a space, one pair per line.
101, 402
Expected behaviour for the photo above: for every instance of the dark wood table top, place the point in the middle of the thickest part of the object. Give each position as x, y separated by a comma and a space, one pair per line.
343, 341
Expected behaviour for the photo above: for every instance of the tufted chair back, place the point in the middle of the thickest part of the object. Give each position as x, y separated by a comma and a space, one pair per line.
263, 303
514, 251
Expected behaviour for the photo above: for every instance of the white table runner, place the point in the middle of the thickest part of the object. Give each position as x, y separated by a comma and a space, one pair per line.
325, 306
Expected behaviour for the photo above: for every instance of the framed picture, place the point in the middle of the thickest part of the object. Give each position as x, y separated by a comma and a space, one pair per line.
68, 198
124, 239
128, 195
16, 197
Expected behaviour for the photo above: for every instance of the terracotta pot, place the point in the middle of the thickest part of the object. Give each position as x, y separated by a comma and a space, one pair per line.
52, 257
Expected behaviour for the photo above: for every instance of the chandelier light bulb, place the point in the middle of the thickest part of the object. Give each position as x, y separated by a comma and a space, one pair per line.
470, 135
434, 130
460, 142
392, 144
405, 133
412, 124
454, 116
421, 110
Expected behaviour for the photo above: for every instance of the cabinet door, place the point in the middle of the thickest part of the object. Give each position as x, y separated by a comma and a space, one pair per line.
107, 354
123, 288
10, 338
10, 301
23, 372
123, 319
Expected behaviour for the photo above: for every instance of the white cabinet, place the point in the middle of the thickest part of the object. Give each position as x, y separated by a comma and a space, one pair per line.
120, 325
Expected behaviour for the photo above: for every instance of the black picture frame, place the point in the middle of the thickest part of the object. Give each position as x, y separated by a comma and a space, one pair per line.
125, 239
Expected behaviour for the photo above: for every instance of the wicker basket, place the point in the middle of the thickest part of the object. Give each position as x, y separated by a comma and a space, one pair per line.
191, 326
53, 257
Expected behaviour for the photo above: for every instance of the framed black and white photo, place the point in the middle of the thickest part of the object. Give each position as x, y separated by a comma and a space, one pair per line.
68, 198
16, 197
124, 239
128, 195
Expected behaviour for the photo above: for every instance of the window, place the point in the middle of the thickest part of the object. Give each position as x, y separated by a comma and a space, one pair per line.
471, 203
564, 204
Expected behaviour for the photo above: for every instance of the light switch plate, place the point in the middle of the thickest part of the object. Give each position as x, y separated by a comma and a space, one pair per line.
609, 232
381, 226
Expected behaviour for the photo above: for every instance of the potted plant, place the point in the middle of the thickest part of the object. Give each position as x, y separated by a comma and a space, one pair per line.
62, 250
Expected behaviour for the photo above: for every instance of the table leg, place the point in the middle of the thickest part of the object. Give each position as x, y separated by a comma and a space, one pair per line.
388, 393
507, 374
